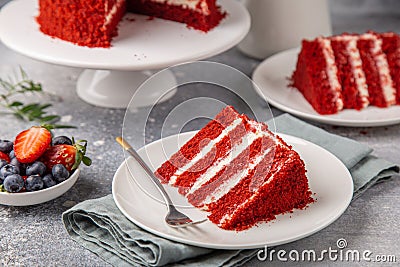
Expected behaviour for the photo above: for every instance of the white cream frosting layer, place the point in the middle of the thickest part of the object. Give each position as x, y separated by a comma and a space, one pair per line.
227, 186
112, 11
227, 217
244, 143
205, 150
389, 92
356, 66
332, 71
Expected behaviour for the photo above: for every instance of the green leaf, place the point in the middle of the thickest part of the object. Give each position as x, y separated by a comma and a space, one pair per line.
29, 107
16, 104
49, 118
87, 161
62, 126
19, 116
78, 159
45, 106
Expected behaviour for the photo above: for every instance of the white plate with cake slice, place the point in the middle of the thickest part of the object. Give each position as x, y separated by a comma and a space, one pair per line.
140, 202
272, 80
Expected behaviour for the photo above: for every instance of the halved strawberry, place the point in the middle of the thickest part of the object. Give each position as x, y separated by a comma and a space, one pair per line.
68, 155
30, 144
4, 156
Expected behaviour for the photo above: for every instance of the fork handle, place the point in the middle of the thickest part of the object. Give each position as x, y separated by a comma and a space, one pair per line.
147, 169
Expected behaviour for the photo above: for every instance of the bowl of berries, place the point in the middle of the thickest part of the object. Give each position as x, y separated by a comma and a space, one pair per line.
37, 167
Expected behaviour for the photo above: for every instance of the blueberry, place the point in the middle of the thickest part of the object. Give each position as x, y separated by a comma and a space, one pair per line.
6, 146
33, 183
13, 183
3, 163
8, 170
37, 167
48, 181
61, 140
60, 173
20, 166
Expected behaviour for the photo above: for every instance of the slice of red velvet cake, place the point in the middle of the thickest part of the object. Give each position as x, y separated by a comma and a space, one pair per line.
238, 171
350, 71
94, 23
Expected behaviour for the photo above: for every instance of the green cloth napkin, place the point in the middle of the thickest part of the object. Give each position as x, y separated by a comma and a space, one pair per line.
99, 226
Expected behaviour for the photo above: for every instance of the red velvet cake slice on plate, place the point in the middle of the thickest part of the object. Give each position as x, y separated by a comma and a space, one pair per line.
316, 76
362, 70
238, 171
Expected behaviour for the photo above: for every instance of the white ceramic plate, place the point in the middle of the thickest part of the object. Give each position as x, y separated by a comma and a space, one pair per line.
272, 78
328, 178
141, 44
37, 197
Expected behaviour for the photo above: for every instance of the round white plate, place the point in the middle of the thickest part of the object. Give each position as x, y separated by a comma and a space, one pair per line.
272, 78
37, 197
329, 179
141, 44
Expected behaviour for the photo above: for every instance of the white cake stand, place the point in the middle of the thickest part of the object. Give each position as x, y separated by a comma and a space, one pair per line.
113, 74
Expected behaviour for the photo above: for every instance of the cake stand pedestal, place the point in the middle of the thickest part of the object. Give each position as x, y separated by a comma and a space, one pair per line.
94, 87
112, 75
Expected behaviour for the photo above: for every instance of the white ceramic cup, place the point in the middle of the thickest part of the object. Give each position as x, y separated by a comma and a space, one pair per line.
277, 25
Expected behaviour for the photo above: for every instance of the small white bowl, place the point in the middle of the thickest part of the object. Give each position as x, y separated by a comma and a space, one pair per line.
36, 197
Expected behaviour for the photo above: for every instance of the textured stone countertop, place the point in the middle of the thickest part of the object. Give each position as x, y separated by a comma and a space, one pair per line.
34, 235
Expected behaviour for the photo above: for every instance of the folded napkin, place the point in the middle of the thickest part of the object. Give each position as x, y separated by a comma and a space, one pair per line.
99, 226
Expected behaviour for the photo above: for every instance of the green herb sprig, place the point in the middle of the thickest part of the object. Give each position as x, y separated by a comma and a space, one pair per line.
26, 111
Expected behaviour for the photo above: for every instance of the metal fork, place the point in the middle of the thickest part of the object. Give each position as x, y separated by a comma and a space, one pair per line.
174, 218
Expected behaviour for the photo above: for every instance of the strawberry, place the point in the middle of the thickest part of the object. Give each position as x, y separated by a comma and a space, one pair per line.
68, 155
5, 157
30, 144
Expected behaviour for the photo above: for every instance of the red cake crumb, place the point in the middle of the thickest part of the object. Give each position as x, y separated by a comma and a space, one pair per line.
248, 176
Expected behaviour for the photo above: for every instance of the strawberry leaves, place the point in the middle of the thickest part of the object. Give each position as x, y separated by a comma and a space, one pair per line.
80, 147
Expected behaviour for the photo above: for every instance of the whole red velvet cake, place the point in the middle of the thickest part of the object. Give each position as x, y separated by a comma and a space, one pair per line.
238, 171
349, 71
94, 23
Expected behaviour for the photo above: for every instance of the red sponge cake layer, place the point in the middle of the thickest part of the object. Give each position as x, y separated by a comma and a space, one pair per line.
237, 171
85, 23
